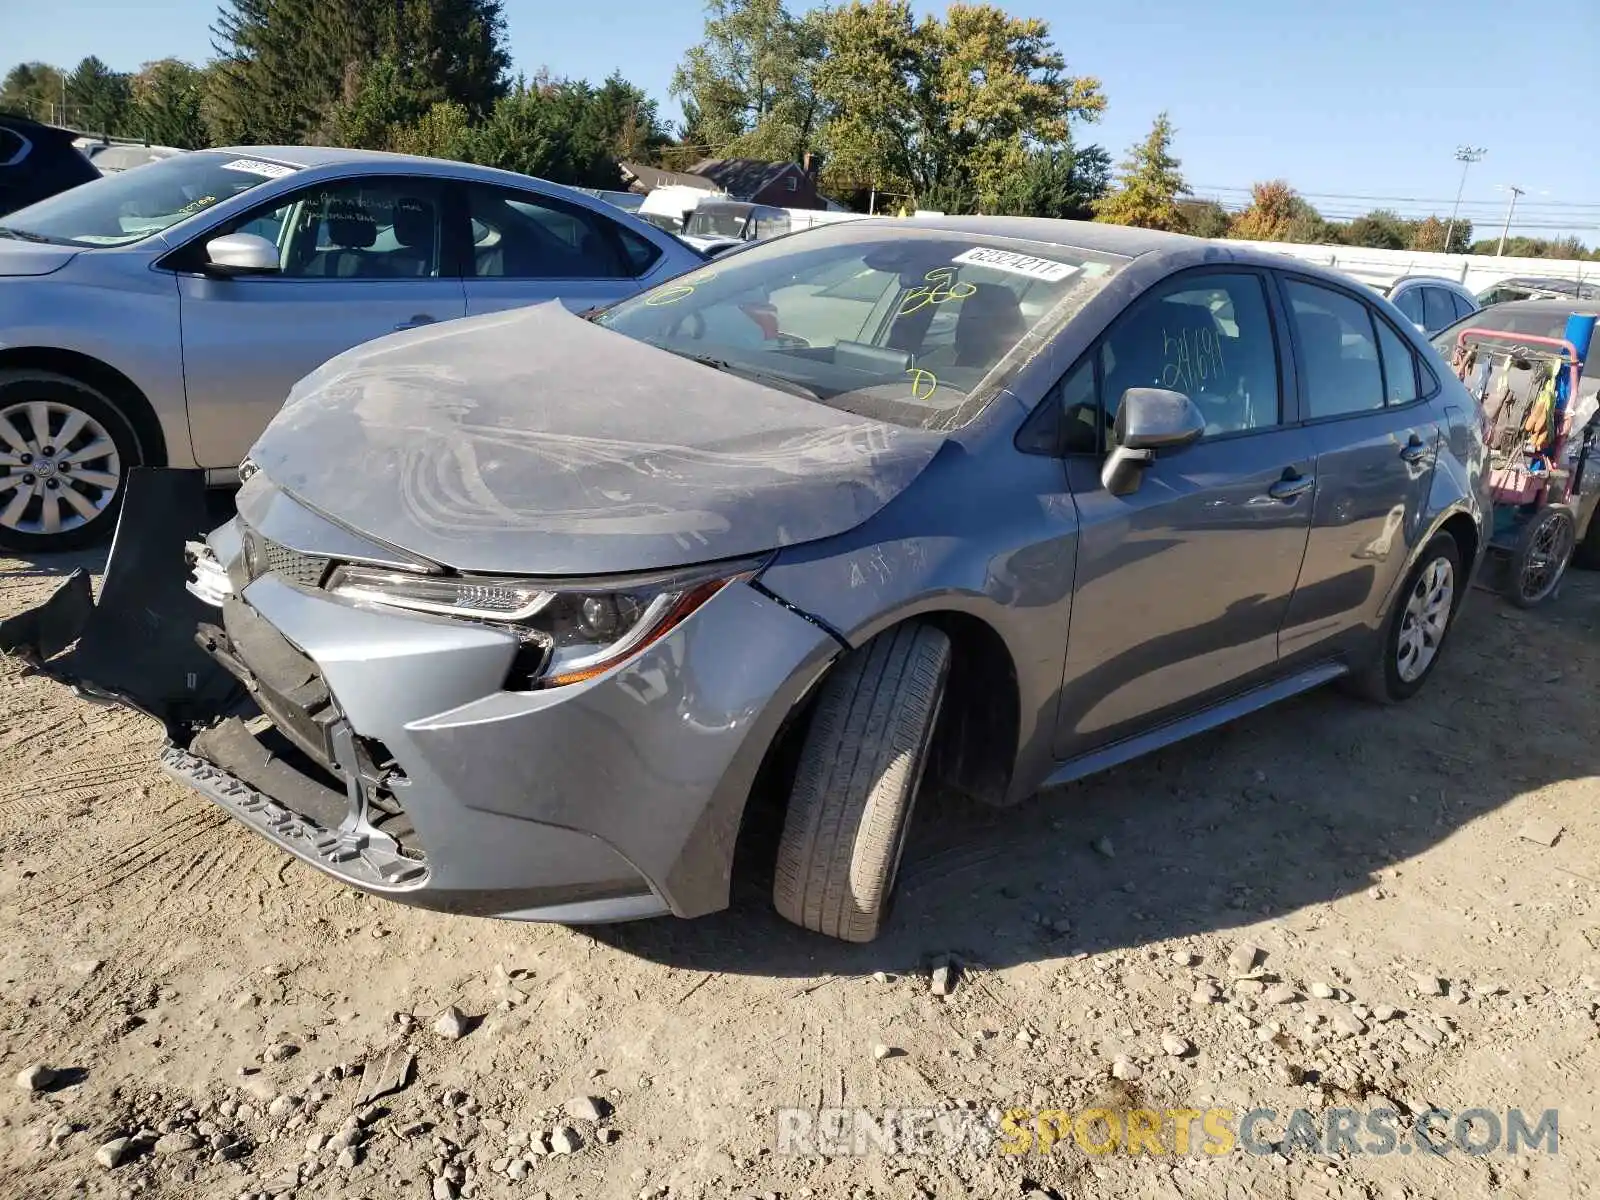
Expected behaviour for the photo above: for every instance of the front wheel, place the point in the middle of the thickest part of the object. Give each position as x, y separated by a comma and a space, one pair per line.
1414, 634
857, 781
65, 453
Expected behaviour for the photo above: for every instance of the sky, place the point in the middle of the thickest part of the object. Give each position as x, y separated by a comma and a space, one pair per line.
1357, 105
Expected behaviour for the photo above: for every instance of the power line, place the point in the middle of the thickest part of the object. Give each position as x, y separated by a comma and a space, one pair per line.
1562, 204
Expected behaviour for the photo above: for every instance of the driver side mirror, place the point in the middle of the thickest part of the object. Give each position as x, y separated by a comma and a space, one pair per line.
241, 254
1149, 421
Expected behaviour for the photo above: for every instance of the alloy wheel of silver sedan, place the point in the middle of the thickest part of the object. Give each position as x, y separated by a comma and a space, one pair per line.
60, 467
1427, 616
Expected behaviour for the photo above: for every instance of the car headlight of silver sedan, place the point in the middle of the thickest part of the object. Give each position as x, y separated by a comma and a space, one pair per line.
571, 630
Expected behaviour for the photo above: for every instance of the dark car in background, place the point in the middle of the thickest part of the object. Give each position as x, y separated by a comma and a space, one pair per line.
37, 161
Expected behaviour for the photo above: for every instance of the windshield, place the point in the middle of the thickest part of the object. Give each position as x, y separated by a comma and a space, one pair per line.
715, 224
921, 327
1550, 323
132, 205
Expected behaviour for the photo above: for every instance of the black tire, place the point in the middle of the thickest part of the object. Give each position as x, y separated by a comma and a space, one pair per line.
1586, 556
856, 783
1539, 562
25, 387
1382, 681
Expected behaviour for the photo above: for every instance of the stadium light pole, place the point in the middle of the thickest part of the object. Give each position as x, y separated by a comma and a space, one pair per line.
1466, 156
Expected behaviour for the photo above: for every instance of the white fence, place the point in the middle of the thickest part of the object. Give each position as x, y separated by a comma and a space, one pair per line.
1478, 272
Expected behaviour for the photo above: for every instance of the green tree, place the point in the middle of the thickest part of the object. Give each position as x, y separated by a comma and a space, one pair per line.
749, 81
950, 106
167, 105
547, 128
98, 97
34, 89
1204, 218
305, 70
1149, 186
1063, 183
441, 132
1278, 213
1380, 229
1429, 235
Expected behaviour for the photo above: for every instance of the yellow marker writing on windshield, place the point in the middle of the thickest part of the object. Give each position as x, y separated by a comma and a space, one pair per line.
669, 295
942, 287
923, 383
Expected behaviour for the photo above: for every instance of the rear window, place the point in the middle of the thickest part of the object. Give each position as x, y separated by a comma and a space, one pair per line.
917, 326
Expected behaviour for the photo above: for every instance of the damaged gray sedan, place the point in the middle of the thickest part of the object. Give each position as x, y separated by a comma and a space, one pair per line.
521, 605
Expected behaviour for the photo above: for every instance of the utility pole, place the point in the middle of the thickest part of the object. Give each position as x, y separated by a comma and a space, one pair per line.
1510, 208
1466, 156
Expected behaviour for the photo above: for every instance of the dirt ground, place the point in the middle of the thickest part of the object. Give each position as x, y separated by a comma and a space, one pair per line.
189, 983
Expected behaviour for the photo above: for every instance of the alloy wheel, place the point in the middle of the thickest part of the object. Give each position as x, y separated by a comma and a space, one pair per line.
59, 467
1427, 616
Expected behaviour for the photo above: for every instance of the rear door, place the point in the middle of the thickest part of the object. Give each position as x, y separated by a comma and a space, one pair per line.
360, 258
1364, 395
527, 248
1183, 585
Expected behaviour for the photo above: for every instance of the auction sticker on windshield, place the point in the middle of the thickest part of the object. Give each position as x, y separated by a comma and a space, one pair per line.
254, 166
1017, 264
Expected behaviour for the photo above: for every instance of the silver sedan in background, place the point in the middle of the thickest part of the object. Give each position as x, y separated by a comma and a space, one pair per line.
160, 317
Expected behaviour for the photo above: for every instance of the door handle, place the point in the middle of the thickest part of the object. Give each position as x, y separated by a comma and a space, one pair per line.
1290, 486
1415, 450
417, 321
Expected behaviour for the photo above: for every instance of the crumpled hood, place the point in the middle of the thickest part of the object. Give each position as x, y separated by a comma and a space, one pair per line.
535, 442
32, 258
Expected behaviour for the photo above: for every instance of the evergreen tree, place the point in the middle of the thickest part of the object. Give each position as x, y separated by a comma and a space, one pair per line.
1148, 190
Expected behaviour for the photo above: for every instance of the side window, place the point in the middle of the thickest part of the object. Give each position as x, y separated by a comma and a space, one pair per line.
640, 252
13, 147
1464, 307
1080, 409
377, 228
1409, 302
1209, 337
1399, 365
1438, 309
522, 235
1339, 371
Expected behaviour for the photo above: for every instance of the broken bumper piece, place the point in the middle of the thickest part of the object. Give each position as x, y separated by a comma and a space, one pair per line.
361, 857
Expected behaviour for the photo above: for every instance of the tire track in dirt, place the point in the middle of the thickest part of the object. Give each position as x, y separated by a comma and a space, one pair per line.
130, 861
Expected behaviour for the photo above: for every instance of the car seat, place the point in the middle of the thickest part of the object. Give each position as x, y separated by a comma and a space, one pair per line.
989, 324
351, 232
416, 232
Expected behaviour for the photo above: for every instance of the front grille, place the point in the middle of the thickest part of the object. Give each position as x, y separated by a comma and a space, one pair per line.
293, 566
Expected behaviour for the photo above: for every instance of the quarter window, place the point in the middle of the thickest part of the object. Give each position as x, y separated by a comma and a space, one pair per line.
1339, 371
1399, 366
1209, 337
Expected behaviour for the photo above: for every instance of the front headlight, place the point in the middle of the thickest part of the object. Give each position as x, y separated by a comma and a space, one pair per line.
572, 629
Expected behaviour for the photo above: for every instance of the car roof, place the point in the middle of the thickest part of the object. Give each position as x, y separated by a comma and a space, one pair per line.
1431, 279
1083, 235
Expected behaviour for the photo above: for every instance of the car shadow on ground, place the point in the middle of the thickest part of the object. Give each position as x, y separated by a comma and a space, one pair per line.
1299, 805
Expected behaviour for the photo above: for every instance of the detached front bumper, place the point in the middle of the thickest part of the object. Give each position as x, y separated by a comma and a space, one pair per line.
395, 760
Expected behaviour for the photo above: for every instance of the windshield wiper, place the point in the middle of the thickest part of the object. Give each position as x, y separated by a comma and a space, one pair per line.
23, 235
771, 378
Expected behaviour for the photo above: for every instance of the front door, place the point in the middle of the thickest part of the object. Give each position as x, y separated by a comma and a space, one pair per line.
528, 248
360, 258
1183, 585
1376, 442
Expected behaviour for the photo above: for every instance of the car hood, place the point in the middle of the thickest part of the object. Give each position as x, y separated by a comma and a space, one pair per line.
32, 258
536, 442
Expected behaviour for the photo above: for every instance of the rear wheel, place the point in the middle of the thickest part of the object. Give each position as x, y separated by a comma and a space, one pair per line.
1540, 559
65, 453
857, 781
1415, 632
